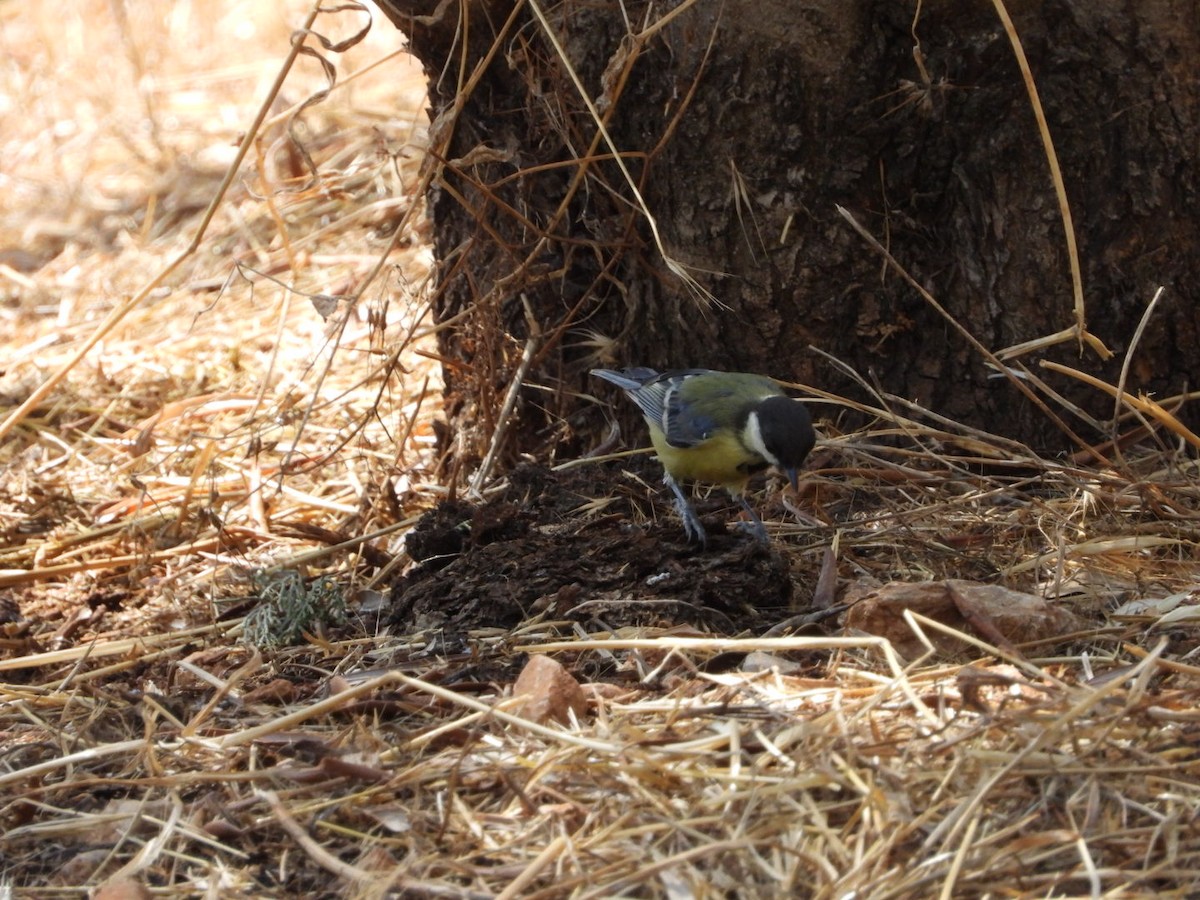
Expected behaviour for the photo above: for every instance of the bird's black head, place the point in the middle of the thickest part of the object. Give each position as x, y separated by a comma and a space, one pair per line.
787, 432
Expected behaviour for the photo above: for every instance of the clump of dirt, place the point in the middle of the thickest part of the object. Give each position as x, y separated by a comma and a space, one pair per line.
531, 550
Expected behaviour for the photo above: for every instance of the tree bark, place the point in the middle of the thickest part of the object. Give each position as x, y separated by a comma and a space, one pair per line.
744, 125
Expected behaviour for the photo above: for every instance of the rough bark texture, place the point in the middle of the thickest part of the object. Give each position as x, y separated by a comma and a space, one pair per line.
745, 124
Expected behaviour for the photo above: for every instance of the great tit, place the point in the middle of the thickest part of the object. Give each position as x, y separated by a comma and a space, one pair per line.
717, 427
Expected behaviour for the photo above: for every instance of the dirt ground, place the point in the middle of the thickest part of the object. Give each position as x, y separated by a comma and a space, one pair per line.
529, 552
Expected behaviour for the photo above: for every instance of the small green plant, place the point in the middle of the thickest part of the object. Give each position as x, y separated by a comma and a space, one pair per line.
289, 606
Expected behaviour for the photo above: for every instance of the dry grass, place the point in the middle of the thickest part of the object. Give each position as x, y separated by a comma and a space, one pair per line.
224, 411
223, 426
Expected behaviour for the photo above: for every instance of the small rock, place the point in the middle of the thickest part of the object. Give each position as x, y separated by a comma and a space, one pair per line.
549, 692
1012, 615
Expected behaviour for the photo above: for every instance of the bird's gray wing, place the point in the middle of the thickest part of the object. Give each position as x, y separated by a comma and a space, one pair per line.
684, 424
658, 396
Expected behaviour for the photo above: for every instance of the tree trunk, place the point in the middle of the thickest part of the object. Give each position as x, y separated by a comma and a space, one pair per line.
744, 125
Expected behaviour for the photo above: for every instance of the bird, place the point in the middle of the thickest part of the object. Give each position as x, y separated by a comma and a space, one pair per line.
717, 428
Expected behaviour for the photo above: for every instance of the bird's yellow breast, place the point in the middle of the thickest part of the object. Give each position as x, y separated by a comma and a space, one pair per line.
722, 459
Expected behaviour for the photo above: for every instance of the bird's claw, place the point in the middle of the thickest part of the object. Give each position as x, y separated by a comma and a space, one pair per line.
756, 530
691, 525
755, 526
691, 522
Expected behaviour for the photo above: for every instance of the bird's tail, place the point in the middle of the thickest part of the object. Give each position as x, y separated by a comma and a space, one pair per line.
627, 379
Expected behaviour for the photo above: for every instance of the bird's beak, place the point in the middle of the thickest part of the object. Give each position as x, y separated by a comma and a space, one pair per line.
794, 478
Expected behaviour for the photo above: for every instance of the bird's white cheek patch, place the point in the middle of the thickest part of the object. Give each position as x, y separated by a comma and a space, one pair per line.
752, 435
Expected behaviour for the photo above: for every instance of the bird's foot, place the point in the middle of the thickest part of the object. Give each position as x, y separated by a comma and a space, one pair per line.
691, 525
691, 522
755, 526
756, 530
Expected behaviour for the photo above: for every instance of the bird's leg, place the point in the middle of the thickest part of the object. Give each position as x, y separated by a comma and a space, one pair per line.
691, 522
756, 524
